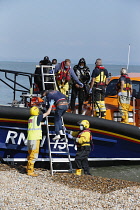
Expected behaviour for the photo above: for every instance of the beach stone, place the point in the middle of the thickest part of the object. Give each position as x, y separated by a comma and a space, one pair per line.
65, 191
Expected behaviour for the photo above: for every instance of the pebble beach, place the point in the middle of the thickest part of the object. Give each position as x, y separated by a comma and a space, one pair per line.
64, 191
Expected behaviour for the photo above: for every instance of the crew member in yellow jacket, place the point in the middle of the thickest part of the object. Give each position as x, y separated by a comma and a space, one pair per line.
34, 136
124, 87
98, 88
83, 140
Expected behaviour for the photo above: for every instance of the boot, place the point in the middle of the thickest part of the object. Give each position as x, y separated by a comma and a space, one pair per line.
32, 174
61, 132
78, 172
87, 172
57, 137
30, 171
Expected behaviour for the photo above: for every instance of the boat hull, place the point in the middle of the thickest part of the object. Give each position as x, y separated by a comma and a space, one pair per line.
112, 140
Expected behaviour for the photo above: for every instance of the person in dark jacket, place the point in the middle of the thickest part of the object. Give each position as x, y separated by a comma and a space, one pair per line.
54, 61
45, 61
61, 104
38, 76
83, 73
98, 88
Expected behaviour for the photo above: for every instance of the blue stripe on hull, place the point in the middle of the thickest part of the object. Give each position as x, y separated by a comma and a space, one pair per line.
105, 146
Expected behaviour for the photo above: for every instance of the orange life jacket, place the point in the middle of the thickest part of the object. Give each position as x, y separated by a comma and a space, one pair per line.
36, 88
63, 74
36, 101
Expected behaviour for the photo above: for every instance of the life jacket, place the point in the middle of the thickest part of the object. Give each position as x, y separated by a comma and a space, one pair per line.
34, 131
36, 88
63, 74
83, 74
101, 78
88, 143
127, 83
36, 101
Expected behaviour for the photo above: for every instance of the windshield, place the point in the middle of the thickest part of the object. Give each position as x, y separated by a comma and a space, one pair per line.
111, 88
136, 89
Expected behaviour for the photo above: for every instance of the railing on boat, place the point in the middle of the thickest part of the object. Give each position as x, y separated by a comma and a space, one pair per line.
14, 81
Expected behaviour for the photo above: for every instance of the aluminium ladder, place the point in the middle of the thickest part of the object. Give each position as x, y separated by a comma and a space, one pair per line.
58, 147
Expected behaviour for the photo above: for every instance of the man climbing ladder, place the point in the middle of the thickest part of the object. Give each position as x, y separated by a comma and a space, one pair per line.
61, 107
55, 132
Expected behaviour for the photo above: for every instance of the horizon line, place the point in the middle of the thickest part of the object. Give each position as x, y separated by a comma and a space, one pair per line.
20, 61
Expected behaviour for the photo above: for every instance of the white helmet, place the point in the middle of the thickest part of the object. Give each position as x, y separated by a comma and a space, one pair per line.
123, 71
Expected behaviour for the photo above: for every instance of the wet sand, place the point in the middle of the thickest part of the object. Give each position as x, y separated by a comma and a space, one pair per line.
126, 172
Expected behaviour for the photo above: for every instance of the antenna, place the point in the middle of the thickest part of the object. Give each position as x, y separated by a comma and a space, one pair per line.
128, 57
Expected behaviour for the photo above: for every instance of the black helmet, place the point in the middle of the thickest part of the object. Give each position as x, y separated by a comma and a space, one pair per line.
46, 58
54, 61
82, 60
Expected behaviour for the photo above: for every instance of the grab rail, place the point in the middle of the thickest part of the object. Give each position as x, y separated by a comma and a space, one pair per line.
14, 81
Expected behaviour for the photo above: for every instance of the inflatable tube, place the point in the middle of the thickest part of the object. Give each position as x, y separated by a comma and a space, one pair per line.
105, 125
72, 119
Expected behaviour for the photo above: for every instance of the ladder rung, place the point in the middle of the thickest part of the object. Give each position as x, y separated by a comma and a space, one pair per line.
46, 66
48, 74
58, 152
49, 82
53, 125
58, 161
51, 134
58, 143
62, 170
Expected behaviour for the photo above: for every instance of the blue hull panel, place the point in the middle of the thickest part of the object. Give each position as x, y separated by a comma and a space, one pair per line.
13, 144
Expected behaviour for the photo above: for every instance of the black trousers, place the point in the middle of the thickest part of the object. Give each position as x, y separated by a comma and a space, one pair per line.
98, 100
81, 158
81, 97
99, 95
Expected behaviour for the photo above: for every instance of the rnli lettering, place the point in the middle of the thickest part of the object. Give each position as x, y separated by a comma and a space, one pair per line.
14, 137
22, 138
11, 136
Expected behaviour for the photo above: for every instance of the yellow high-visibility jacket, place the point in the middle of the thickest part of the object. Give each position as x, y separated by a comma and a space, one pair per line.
83, 138
34, 131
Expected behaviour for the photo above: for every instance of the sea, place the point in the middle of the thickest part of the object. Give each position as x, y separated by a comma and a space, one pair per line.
7, 93
122, 171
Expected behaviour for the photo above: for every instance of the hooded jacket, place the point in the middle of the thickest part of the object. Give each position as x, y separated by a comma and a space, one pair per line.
83, 74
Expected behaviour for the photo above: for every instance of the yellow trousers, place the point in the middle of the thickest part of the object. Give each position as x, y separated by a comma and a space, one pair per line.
124, 104
63, 88
33, 151
100, 108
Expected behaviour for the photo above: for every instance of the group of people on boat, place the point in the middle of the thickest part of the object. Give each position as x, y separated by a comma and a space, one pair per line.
80, 76
87, 86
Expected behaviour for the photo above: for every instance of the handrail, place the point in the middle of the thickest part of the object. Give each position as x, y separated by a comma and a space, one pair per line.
16, 82
134, 111
17, 73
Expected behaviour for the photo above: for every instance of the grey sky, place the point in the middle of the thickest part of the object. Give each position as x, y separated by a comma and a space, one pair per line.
31, 29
